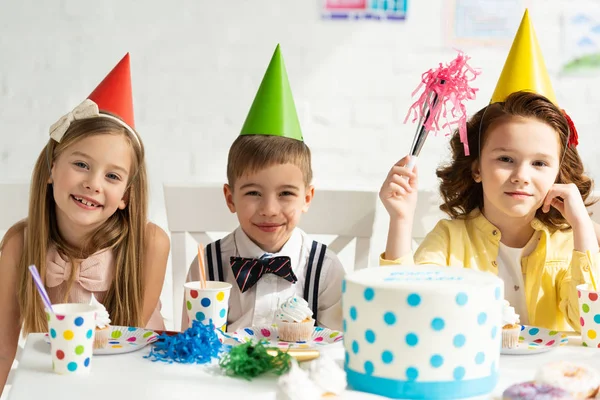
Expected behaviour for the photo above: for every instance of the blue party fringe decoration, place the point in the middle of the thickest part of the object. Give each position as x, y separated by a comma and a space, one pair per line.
199, 344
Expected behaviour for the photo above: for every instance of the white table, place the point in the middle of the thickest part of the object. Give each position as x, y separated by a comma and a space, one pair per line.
130, 376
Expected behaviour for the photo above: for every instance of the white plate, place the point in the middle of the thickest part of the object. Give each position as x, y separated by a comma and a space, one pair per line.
320, 337
534, 340
124, 339
523, 348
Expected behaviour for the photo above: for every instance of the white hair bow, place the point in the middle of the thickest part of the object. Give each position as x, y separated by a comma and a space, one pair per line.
87, 109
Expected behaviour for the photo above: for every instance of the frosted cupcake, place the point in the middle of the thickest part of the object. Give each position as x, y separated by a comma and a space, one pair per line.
102, 324
294, 320
510, 327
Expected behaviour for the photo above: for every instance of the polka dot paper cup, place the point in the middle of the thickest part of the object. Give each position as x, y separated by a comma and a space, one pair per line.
589, 315
71, 331
209, 303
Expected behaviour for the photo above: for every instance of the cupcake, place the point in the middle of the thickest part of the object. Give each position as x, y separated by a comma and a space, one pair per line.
102, 324
510, 327
294, 320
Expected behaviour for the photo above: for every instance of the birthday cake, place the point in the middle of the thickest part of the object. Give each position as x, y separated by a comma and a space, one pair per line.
422, 332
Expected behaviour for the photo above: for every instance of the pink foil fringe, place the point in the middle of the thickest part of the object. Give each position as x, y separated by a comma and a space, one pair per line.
451, 94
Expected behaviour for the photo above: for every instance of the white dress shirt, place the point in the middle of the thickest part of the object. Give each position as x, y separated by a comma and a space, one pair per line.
258, 304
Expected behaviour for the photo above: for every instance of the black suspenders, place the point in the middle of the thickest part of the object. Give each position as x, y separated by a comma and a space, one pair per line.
313, 271
214, 262
313, 275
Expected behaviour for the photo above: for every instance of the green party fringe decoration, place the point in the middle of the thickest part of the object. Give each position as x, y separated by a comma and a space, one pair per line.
250, 360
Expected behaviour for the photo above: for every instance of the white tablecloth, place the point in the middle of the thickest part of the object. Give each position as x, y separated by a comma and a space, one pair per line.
131, 376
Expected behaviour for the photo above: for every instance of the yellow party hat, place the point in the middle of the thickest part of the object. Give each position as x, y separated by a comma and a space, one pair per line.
524, 69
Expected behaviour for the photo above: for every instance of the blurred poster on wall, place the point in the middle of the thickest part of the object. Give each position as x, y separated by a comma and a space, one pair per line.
482, 22
581, 38
378, 10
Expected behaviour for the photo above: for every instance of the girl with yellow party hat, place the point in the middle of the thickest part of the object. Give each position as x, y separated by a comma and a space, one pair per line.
516, 202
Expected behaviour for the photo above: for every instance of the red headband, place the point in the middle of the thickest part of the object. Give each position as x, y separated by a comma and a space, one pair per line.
573, 135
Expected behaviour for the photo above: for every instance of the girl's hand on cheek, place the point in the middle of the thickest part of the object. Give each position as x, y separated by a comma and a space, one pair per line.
567, 199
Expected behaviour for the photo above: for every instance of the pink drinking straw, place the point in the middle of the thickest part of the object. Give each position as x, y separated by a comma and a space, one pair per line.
40, 287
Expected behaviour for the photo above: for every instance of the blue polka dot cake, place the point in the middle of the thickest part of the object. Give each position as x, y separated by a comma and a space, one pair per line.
422, 332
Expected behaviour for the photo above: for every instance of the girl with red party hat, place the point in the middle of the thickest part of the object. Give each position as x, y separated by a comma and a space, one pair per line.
87, 229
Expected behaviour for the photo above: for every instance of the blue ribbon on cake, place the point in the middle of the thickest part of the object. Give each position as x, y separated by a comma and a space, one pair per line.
398, 389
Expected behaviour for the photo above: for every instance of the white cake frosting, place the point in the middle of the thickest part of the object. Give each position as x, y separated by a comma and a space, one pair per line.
102, 316
509, 315
422, 331
580, 380
294, 309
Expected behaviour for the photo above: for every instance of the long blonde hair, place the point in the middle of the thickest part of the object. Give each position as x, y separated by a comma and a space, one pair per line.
123, 232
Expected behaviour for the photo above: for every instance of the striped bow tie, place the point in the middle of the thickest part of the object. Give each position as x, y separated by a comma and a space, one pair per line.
248, 271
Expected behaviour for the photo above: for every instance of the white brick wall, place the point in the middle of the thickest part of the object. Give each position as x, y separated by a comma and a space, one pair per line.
196, 66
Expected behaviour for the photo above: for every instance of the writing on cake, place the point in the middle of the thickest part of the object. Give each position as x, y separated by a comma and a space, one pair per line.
420, 276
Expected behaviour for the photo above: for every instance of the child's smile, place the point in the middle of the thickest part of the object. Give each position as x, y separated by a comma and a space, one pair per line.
265, 227
518, 195
89, 179
519, 164
85, 202
269, 204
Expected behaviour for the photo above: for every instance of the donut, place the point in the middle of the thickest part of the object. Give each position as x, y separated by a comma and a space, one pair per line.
581, 381
535, 391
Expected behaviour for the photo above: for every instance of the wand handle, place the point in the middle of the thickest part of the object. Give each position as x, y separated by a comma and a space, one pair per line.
422, 132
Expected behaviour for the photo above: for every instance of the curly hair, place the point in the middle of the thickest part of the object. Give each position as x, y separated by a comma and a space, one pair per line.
461, 194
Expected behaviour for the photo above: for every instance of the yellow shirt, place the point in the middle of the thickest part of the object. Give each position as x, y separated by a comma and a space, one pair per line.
551, 272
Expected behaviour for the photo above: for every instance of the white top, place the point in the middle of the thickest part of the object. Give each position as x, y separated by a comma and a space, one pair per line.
510, 271
258, 304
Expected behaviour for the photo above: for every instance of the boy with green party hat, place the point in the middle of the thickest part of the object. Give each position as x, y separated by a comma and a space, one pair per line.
268, 259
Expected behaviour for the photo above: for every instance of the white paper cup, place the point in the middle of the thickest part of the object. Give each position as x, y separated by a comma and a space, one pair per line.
71, 331
589, 315
206, 304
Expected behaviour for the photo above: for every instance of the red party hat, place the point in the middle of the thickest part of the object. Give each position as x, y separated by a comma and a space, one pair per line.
113, 94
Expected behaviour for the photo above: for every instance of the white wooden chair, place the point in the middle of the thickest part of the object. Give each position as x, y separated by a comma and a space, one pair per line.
195, 211
427, 215
14, 202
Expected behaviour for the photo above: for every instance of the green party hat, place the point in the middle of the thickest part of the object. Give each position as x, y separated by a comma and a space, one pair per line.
273, 111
